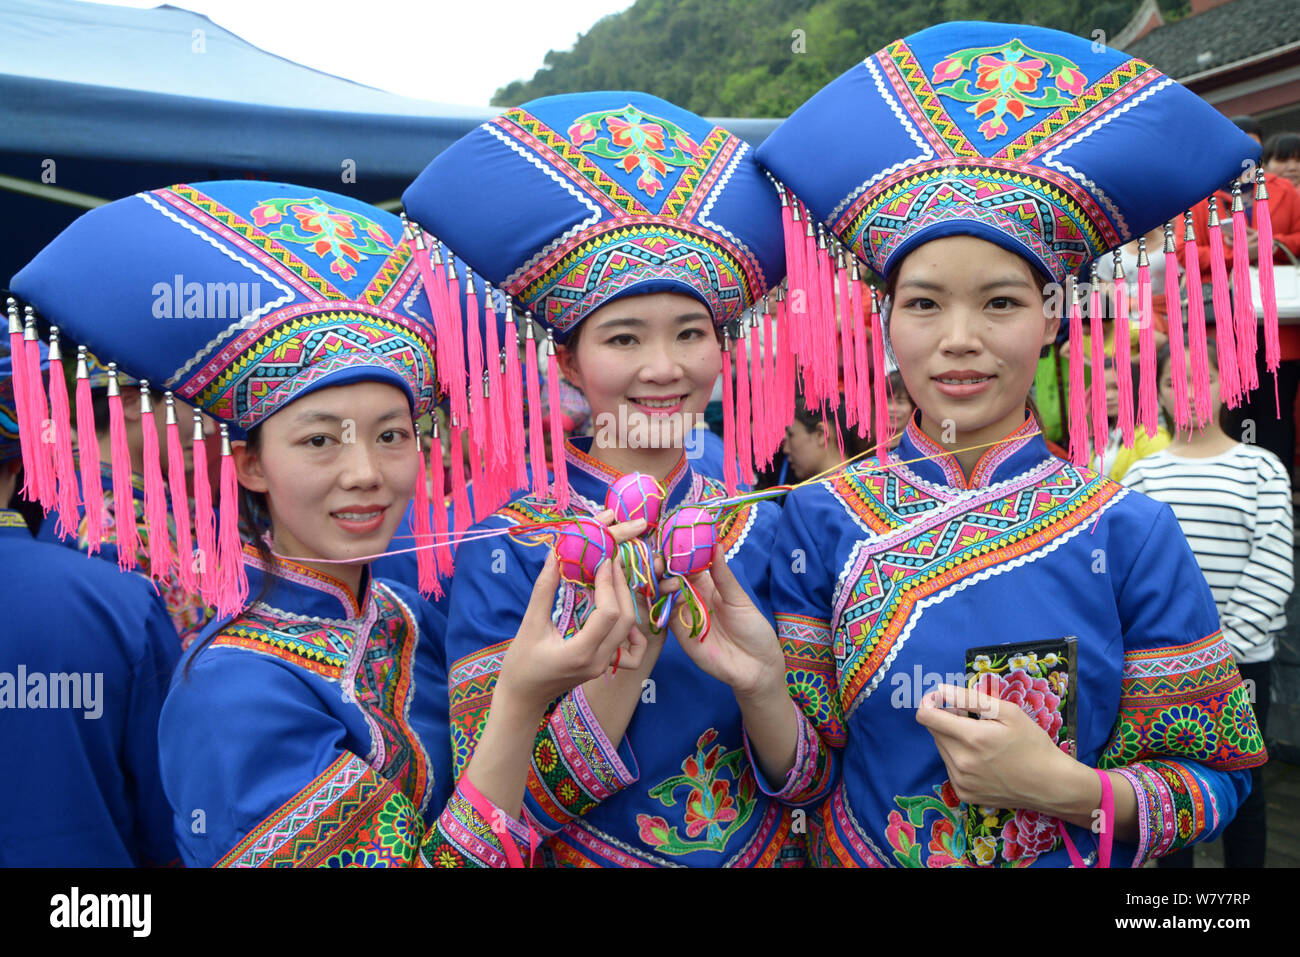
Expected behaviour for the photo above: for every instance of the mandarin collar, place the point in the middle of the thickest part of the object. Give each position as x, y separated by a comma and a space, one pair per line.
1022, 449
591, 478
298, 589
12, 523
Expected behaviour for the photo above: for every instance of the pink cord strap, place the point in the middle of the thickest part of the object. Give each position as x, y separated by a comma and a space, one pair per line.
1107, 826
488, 811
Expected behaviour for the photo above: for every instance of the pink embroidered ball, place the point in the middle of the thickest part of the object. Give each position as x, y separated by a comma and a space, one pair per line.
687, 539
636, 495
580, 546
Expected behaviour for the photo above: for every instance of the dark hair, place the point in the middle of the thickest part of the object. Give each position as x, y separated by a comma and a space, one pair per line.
1162, 362
1282, 146
254, 520
897, 385
811, 419
1247, 124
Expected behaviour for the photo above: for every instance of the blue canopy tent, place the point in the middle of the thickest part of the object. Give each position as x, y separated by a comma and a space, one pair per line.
98, 102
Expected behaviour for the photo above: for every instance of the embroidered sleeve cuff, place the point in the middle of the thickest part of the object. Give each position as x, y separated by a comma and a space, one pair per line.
472, 832
575, 766
809, 779
1174, 808
1140, 788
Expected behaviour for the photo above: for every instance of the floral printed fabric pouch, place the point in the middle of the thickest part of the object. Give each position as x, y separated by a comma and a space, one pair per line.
1039, 677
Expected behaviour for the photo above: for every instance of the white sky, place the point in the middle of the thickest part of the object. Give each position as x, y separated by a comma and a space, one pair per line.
451, 52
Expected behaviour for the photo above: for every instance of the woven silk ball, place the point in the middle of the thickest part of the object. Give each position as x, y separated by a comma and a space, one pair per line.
636, 495
687, 539
580, 546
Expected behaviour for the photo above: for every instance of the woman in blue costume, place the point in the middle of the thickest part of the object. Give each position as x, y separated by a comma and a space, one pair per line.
85, 656
644, 228
309, 724
972, 535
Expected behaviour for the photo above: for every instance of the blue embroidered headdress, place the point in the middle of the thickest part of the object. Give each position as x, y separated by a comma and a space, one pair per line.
1051, 146
238, 297
570, 202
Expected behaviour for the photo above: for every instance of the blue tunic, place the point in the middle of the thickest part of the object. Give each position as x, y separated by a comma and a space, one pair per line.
311, 730
85, 656
678, 789
881, 579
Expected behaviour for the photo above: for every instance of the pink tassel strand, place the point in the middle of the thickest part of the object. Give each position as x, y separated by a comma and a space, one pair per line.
758, 389
879, 381
461, 517
559, 463
67, 495
857, 315
161, 560
771, 397
1078, 397
1097, 365
180, 500
205, 523
1123, 353
497, 445
830, 358
231, 577
843, 302
1177, 353
1148, 404
438, 502
1267, 289
744, 442
536, 443
796, 282
92, 490
729, 474
42, 447
1242, 299
455, 351
1197, 336
29, 433
124, 527
1224, 332
426, 562
810, 361
514, 400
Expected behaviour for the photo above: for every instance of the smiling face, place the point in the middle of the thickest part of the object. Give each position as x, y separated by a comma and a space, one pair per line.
338, 468
967, 325
655, 357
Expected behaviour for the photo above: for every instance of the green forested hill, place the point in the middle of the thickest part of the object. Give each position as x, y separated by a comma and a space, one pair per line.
745, 58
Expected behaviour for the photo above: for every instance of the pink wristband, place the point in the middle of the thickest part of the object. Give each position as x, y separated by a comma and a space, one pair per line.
1107, 827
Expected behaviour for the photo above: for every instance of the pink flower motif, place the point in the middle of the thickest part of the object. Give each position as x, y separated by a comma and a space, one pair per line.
1071, 81
1034, 696
1027, 835
345, 270
380, 235
654, 830
687, 145
648, 182
948, 69
900, 826
580, 133
265, 215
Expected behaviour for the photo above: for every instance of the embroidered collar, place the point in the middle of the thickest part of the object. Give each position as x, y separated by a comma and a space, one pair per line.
12, 523
591, 478
299, 588
1020, 450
